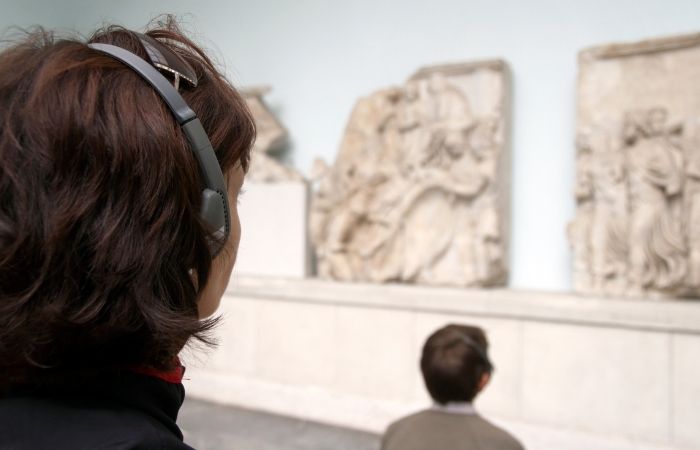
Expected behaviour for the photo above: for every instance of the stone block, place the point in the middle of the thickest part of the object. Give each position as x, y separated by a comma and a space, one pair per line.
603, 380
237, 336
373, 353
296, 343
686, 390
273, 222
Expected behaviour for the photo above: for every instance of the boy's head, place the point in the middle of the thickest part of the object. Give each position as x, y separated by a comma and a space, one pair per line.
455, 363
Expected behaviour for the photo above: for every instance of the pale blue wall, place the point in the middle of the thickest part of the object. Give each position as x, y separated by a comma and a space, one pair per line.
321, 55
25, 13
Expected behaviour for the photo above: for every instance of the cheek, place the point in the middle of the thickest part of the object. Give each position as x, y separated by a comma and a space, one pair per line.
235, 237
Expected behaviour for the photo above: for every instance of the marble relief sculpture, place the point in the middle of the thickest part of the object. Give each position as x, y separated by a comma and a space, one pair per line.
418, 192
636, 228
271, 136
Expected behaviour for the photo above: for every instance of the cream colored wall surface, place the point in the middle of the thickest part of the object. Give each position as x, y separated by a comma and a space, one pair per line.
319, 56
572, 372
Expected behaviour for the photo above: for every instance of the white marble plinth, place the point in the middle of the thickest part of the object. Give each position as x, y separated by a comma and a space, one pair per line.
273, 221
571, 371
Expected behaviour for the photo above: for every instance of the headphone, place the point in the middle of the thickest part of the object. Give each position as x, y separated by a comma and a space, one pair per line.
215, 209
471, 343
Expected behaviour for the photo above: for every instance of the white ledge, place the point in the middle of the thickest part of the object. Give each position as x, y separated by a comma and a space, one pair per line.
678, 316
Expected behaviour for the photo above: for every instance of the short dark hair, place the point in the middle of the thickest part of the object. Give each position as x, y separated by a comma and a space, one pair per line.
451, 366
99, 219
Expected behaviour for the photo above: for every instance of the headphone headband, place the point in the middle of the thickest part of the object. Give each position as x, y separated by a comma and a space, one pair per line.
214, 211
471, 343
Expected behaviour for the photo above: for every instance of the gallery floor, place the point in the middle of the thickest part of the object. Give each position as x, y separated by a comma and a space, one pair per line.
208, 426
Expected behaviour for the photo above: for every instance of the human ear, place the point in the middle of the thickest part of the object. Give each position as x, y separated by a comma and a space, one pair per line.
483, 381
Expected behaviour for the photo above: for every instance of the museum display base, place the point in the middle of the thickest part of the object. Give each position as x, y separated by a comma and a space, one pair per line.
274, 221
571, 371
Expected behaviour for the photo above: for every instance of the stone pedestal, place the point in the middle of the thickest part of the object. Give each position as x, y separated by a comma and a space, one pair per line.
618, 374
273, 220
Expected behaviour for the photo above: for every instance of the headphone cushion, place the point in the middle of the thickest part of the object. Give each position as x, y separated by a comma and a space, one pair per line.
213, 214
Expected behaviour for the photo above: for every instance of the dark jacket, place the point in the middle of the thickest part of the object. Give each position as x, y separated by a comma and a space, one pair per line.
127, 410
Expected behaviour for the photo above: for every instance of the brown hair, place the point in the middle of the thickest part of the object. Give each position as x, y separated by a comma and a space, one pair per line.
99, 224
452, 367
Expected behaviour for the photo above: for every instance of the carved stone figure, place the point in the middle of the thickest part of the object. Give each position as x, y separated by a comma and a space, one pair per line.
655, 183
638, 169
691, 200
271, 136
416, 193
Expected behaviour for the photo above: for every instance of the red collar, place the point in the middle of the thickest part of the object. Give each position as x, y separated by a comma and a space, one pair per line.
173, 376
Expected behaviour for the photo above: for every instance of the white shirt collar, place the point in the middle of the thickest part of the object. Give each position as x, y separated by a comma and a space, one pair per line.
455, 408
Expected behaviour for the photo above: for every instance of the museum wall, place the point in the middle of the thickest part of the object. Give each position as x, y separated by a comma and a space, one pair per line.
32, 12
319, 57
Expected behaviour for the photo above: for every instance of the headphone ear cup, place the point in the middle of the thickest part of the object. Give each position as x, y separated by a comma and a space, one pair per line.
213, 214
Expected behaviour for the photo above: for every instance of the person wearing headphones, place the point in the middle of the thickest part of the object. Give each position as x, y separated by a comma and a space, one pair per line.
121, 159
456, 367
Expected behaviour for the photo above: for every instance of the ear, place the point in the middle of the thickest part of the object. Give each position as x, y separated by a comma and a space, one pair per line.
483, 381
